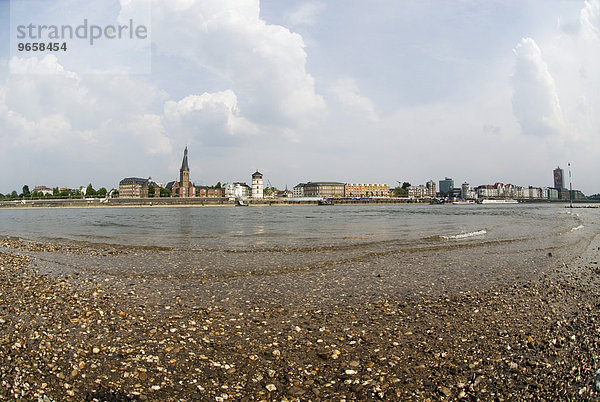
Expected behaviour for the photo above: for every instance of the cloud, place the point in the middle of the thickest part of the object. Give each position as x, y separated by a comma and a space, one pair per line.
264, 65
306, 14
217, 111
590, 20
353, 103
535, 99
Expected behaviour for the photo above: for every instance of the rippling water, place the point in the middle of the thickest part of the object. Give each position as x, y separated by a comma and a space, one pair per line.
310, 252
287, 226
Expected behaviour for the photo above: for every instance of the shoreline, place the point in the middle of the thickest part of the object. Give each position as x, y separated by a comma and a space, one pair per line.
225, 202
75, 333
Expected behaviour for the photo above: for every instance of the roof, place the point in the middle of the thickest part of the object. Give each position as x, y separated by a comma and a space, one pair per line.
324, 183
184, 164
134, 180
257, 173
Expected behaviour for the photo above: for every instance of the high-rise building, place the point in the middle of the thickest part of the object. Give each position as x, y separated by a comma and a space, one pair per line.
559, 178
446, 186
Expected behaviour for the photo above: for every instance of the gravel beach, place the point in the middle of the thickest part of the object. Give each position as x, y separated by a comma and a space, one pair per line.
356, 328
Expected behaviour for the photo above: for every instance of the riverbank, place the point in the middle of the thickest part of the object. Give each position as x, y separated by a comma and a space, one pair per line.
333, 331
202, 202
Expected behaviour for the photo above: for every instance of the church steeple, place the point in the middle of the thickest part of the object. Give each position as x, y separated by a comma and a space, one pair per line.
184, 164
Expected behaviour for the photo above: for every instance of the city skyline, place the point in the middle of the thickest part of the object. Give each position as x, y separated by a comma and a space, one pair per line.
410, 91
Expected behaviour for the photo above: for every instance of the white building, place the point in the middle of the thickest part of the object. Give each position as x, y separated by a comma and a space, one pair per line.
299, 190
257, 185
237, 190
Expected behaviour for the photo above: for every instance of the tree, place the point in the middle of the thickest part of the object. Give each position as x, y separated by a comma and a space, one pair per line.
101, 192
400, 192
89, 191
405, 185
26, 192
164, 192
218, 185
151, 190
14, 194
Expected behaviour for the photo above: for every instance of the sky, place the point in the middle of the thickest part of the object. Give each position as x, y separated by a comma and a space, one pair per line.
376, 91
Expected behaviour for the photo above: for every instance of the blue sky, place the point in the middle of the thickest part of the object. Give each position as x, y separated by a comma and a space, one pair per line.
355, 91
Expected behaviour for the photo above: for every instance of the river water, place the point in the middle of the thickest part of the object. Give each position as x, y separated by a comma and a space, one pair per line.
311, 253
288, 226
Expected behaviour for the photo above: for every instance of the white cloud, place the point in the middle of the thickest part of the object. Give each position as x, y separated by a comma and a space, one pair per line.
151, 134
208, 116
306, 14
590, 20
535, 100
353, 103
265, 65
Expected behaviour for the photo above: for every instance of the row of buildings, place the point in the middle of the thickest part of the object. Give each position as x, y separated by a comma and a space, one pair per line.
336, 189
134, 187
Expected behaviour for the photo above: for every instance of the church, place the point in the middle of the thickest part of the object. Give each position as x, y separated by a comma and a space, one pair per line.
184, 187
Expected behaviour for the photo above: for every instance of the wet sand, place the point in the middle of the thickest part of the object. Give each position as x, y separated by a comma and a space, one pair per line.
448, 320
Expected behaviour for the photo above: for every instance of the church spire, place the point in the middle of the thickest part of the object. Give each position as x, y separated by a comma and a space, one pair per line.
184, 164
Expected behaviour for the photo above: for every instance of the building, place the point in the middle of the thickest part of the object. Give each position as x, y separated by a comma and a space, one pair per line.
366, 190
43, 190
324, 189
133, 187
431, 189
416, 192
209, 192
446, 186
552, 193
183, 188
237, 190
299, 190
559, 178
465, 191
257, 185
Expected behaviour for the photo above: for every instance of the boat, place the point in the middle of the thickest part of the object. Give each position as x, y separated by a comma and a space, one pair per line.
502, 201
325, 202
465, 202
240, 203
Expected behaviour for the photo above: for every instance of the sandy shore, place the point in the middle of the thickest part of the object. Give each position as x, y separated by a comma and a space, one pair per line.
355, 330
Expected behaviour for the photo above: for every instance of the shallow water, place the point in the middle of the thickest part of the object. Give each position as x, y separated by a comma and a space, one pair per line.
299, 253
227, 228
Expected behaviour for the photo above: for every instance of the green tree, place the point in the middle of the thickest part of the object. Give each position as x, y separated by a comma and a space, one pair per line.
151, 190
400, 192
405, 185
89, 191
101, 192
218, 185
14, 194
26, 192
164, 192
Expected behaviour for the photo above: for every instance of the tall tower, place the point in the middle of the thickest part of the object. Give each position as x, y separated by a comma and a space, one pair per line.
559, 178
257, 185
184, 176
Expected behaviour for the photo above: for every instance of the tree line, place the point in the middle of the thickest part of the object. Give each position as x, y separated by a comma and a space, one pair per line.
27, 194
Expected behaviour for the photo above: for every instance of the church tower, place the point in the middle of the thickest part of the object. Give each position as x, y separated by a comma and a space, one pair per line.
184, 188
